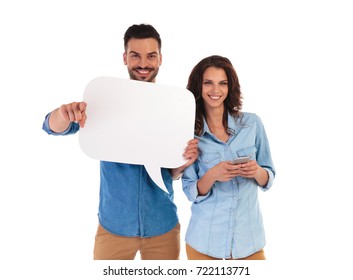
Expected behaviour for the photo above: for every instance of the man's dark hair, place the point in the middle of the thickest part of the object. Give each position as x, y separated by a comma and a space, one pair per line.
142, 31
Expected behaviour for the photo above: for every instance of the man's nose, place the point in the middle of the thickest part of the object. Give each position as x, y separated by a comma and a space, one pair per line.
143, 62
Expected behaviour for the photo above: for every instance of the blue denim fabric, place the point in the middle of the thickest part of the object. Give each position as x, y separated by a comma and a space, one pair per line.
227, 221
130, 203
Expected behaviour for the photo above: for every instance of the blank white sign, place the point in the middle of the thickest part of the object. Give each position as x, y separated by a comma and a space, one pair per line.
137, 122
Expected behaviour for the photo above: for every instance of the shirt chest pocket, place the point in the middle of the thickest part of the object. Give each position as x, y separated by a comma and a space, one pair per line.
207, 161
248, 151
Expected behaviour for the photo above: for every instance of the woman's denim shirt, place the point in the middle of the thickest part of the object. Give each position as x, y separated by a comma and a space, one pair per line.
227, 221
130, 203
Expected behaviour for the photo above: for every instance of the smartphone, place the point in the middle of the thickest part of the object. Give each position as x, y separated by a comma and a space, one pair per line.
241, 160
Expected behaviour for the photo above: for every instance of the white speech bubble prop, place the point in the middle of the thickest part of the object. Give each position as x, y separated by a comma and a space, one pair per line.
138, 123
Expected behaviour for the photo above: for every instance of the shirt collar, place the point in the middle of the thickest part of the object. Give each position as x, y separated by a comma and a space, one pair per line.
232, 126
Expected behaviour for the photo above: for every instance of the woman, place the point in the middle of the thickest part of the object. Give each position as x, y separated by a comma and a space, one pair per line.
226, 221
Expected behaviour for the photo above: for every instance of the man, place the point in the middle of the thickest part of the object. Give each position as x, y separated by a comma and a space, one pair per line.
134, 213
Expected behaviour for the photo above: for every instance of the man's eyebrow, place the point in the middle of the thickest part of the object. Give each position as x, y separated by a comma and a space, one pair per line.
133, 52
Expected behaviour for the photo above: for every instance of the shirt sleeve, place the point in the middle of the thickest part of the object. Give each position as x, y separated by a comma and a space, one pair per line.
263, 154
72, 129
189, 182
271, 177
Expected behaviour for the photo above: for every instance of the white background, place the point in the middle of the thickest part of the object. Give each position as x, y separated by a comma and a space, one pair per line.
294, 60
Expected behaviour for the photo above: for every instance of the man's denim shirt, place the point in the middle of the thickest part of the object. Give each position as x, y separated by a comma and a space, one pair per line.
227, 221
130, 203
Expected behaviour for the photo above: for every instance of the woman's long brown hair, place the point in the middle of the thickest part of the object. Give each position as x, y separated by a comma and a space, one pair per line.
233, 102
